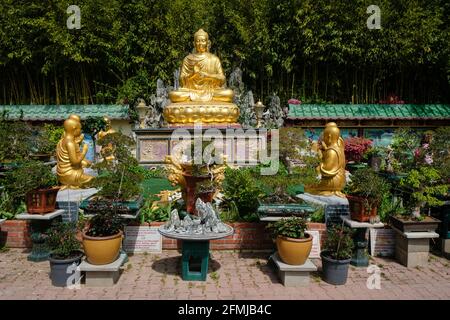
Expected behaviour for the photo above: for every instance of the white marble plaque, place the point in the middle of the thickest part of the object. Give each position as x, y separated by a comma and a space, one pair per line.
142, 239
315, 250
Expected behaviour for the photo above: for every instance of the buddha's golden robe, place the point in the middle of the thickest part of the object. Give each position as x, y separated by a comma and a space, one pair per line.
203, 88
69, 171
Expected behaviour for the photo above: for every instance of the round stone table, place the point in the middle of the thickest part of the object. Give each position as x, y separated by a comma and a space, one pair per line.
195, 251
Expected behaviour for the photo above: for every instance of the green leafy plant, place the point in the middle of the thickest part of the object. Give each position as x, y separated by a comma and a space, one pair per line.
365, 183
121, 178
61, 240
150, 213
339, 244
424, 185
47, 139
107, 220
404, 143
6, 206
440, 150
239, 186
292, 227
15, 142
29, 175
318, 215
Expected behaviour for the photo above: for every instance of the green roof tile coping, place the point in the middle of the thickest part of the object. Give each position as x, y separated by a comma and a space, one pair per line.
62, 112
369, 111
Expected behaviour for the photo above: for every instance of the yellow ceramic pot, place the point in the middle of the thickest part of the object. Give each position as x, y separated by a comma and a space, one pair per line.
102, 250
294, 251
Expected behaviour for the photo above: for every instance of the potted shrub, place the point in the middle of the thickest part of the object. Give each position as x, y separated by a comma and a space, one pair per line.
119, 184
423, 188
65, 250
364, 194
337, 255
102, 238
355, 147
293, 243
34, 181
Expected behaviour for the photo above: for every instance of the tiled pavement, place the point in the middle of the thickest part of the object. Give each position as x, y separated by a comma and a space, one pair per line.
232, 275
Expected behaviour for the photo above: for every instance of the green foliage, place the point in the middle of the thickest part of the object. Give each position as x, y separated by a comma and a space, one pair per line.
293, 227
390, 207
93, 125
7, 210
61, 240
339, 244
151, 213
425, 185
119, 179
107, 220
440, 149
366, 184
29, 175
404, 144
239, 186
15, 139
314, 49
318, 215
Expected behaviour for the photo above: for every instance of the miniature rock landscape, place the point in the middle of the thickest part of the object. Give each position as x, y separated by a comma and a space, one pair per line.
164, 171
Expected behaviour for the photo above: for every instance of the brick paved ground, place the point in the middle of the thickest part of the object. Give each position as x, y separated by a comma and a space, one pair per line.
232, 275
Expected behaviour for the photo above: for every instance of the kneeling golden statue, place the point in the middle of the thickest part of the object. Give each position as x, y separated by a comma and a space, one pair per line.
70, 160
202, 96
332, 166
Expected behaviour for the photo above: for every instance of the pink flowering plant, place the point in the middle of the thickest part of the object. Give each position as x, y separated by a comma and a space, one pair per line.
355, 147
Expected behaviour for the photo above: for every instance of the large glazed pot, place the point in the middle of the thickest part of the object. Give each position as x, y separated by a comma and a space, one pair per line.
59, 269
334, 271
294, 251
102, 250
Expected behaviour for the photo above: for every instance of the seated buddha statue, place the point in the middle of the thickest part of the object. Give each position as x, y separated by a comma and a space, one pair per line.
70, 160
202, 95
107, 151
332, 166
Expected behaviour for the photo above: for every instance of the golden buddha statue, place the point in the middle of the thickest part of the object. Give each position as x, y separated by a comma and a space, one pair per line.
70, 160
202, 96
107, 151
332, 166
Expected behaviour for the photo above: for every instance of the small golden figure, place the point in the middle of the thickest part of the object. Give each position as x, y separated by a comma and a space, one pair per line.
107, 151
332, 166
70, 160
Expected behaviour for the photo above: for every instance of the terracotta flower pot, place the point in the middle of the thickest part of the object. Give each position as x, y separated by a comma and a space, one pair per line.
102, 250
358, 211
294, 251
41, 201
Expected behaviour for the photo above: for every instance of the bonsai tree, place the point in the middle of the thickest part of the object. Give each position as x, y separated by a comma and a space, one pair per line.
293, 243
29, 177
65, 250
366, 187
336, 254
241, 191
404, 146
425, 186
293, 227
119, 179
62, 242
355, 147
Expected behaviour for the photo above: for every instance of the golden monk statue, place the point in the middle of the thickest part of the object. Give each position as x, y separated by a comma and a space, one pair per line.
107, 151
332, 166
70, 160
202, 96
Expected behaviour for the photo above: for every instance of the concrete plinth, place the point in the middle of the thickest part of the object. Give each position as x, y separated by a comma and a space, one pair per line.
293, 275
69, 200
102, 275
412, 248
334, 206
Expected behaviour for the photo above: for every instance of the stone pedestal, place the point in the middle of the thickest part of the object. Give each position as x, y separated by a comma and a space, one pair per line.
69, 200
39, 225
360, 255
102, 275
412, 248
334, 206
293, 275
